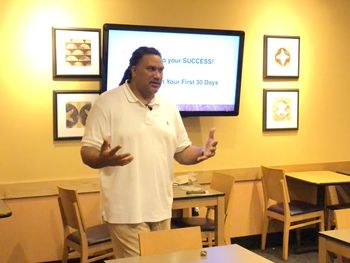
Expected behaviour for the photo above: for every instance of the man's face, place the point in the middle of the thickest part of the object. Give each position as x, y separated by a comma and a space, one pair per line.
148, 75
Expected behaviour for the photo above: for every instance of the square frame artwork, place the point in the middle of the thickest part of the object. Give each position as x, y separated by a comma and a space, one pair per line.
281, 56
280, 109
76, 52
70, 110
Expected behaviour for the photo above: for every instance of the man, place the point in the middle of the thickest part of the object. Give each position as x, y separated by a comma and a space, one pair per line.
132, 135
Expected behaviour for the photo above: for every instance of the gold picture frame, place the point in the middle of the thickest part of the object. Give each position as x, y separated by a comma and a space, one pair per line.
280, 109
76, 52
70, 110
281, 56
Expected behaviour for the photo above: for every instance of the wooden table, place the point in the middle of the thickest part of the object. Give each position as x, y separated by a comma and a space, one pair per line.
210, 198
334, 241
221, 254
321, 179
4, 209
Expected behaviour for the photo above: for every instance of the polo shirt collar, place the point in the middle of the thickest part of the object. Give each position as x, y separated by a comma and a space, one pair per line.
132, 98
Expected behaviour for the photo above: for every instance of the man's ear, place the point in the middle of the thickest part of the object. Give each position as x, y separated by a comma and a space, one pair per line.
132, 70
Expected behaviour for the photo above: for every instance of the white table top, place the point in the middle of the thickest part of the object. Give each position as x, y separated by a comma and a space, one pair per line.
221, 254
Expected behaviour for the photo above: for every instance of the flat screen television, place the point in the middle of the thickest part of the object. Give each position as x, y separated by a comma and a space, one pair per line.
202, 67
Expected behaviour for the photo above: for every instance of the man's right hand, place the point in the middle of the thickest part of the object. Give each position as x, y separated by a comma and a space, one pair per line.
109, 155
104, 157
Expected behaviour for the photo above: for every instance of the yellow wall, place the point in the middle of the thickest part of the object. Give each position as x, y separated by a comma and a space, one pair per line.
28, 151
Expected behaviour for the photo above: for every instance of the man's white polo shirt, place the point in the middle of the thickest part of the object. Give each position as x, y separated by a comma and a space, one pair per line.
142, 190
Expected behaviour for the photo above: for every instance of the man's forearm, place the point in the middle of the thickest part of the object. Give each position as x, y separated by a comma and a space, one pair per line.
189, 155
91, 157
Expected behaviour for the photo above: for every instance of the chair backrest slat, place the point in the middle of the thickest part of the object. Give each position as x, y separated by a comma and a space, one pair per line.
166, 241
223, 183
70, 208
332, 195
271, 180
342, 218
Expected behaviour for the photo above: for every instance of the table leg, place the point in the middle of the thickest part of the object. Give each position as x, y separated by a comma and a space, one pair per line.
321, 193
322, 252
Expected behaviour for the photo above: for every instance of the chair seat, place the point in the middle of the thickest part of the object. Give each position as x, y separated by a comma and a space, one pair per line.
339, 206
296, 208
95, 235
206, 224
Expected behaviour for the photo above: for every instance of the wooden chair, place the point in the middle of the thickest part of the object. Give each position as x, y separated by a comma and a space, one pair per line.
166, 241
333, 204
278, 206
342, 220
92, 243
220, 182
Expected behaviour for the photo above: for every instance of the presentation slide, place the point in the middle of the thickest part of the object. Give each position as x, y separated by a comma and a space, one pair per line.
198, 68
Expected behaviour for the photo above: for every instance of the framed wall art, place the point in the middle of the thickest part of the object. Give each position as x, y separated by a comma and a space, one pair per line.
281, 56
280, 109
76, 53
71, 109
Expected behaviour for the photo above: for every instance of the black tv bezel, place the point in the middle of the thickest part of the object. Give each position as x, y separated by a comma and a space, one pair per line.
128, 27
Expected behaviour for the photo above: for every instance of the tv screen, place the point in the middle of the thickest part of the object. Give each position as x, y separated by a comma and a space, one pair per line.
202, 67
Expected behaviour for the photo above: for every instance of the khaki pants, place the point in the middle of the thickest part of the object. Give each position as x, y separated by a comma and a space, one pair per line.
125, 237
